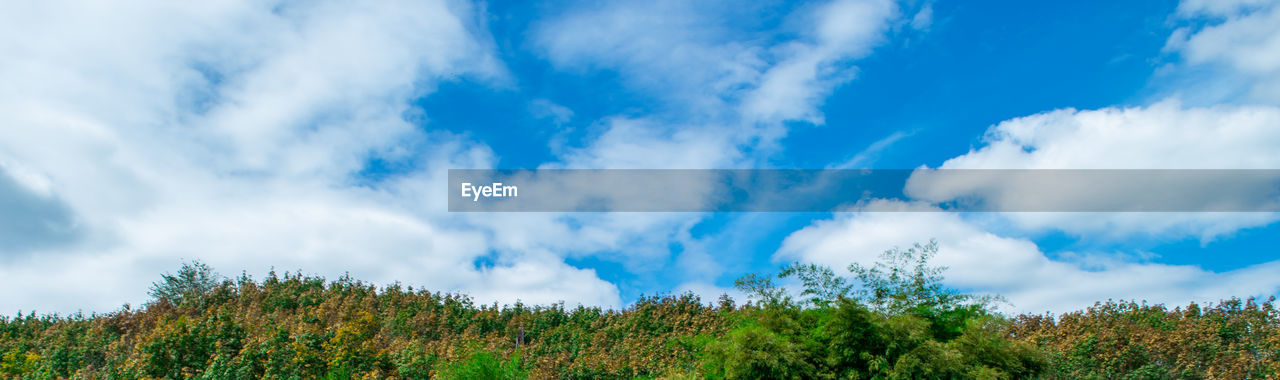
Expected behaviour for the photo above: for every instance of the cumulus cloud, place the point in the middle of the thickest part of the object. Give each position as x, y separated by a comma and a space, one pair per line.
988, 263
1164, 135
234, 132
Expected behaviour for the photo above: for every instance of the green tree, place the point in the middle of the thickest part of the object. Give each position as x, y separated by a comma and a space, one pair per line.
763, 290
901, 322
903, 280
821, 284
189, 286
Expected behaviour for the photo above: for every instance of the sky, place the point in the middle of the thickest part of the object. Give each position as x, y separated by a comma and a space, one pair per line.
315, 136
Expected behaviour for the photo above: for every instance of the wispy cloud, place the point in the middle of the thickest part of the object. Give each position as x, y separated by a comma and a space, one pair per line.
868, 156
1242, 39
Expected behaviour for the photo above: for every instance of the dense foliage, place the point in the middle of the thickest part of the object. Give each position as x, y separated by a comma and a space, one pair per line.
1233, 339
895, 320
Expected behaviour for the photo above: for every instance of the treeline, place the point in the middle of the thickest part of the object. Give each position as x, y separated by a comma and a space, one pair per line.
893, 320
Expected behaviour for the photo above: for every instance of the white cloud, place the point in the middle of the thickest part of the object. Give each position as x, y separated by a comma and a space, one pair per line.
988, 263
639, 241
674, 50
1165, 135
1220, 8
645, 144
868, 156
1243, 38
543, 282
699, 61
1161, 135
923, 18
232, 132
807, 72
546, 109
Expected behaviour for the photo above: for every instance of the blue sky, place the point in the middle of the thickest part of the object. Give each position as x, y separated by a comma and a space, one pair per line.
314, 136
947, 84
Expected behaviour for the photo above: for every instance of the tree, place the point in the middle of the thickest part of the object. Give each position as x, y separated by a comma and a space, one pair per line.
821, 284
901, 322
763, 290
189, 286
903, 280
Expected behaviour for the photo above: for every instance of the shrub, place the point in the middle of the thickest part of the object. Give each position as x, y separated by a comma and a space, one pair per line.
483, 364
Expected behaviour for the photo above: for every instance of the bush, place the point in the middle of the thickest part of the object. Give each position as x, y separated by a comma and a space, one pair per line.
483, 364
